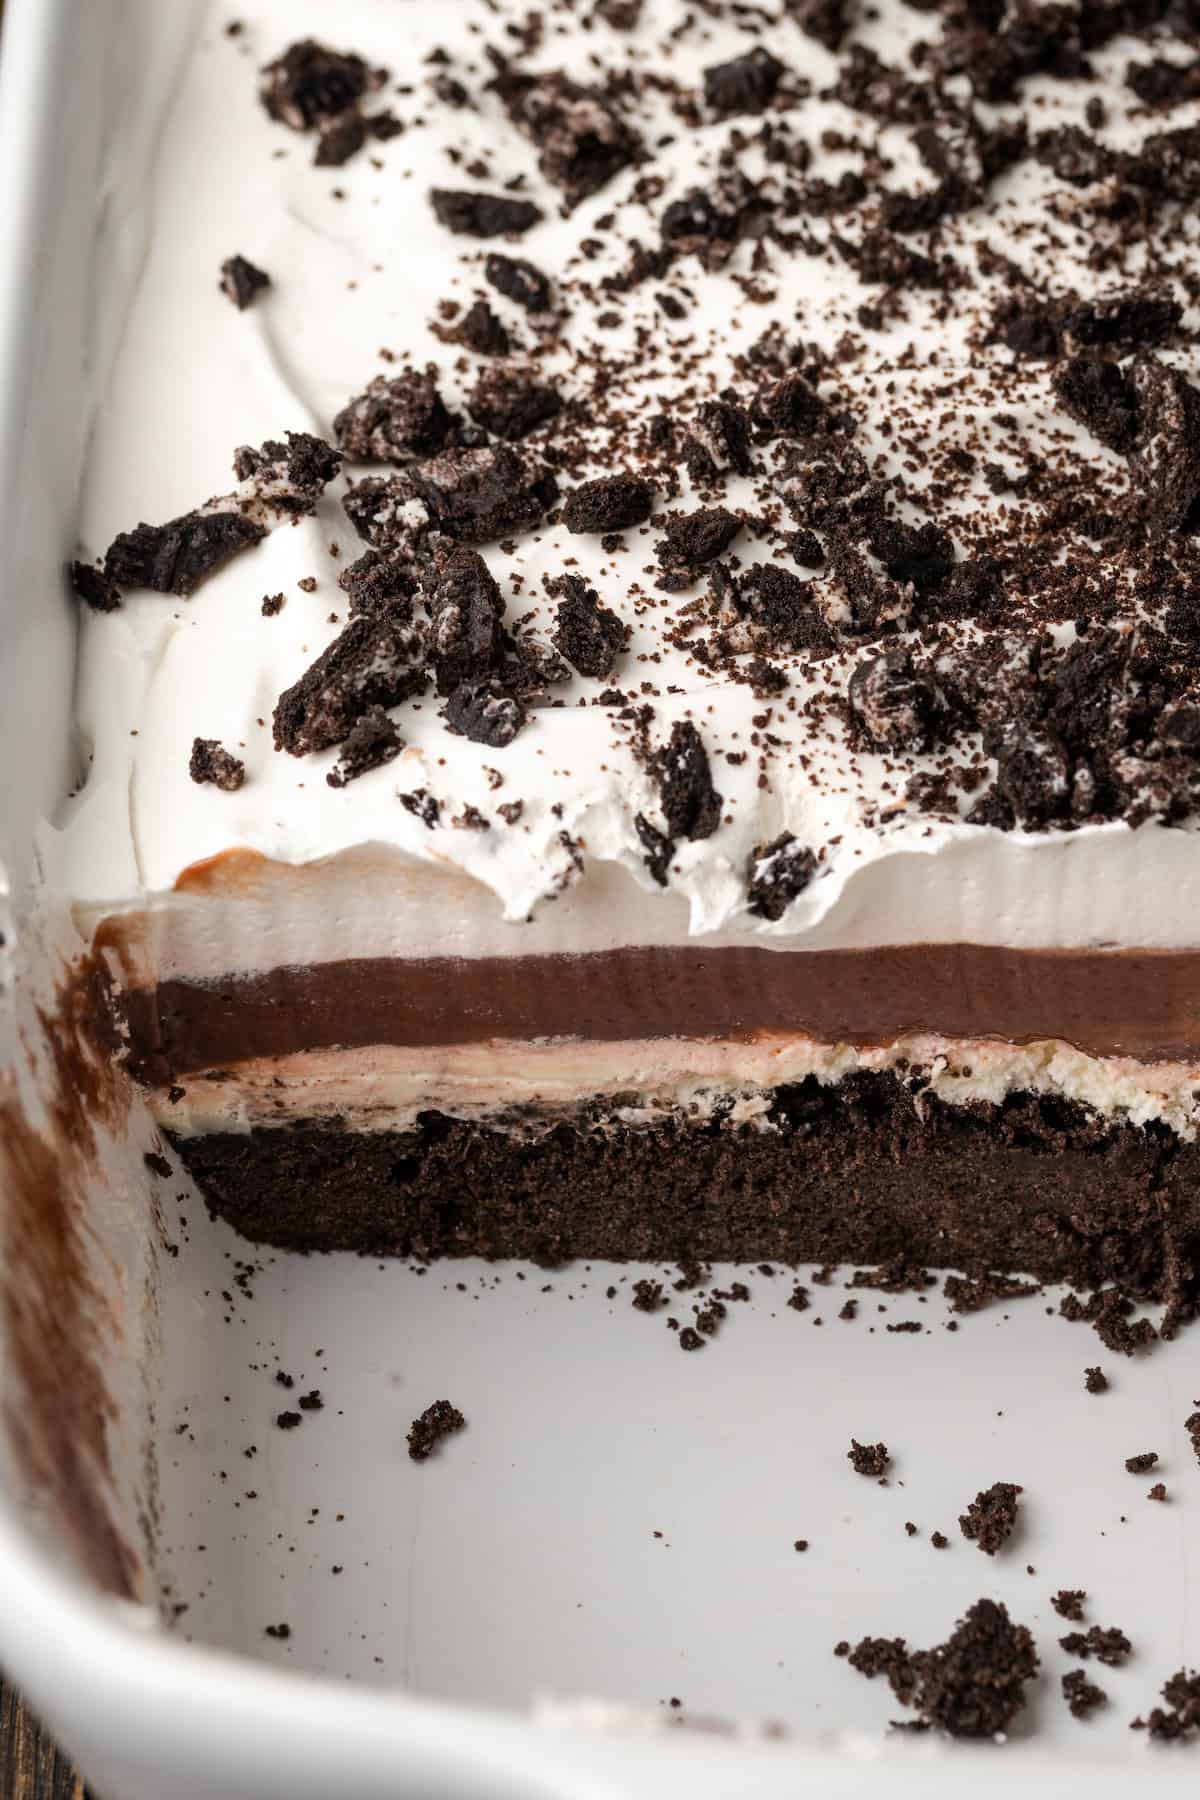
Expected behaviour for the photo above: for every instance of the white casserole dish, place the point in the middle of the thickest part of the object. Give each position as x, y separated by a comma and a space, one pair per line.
512, 1621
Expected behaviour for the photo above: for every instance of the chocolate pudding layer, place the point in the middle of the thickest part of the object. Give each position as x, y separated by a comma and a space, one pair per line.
1143, 1005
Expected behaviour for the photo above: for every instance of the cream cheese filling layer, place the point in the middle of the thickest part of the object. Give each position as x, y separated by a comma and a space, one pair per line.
526, 1088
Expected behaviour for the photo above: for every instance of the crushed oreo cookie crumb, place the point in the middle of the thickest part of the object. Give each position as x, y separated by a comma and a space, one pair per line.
608, 503
241, 281
209, 762
589, 635
972, 1686
483, 215
95, 588
371, 741
1081, 1695
438, 1421
990, 1519
869, 1459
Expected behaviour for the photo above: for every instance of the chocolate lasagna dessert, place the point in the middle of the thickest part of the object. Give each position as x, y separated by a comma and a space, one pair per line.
680, 735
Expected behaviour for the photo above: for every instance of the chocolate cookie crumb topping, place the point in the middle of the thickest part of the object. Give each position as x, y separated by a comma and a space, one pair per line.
1165, 455
286, 478
1138, 1465
341, 139
1192, 1426
1068, 1604
95, 588
718, 441
371, 741
778, 872
422, 805
209, 762
609, 503
485, 713
481, 495
690, 804
465, 614
518, 280
827, 21
590, 636
481, 329
394, 419
483, 215
581, 138
175, 558
894, 705
372, 662
968, 1296
692, 539
745, 85
658, 847
241, 281
310, 85
510, 406
1100, 396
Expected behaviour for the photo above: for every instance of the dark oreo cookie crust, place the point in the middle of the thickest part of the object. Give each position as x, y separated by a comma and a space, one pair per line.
1039, 1187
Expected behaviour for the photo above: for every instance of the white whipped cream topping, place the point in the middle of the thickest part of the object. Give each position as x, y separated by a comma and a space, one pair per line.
359, 263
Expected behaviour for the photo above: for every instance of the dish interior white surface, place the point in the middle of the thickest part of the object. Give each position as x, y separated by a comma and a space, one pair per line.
521, 1562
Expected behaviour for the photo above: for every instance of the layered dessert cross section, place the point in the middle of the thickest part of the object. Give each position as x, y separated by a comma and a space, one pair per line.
680, 736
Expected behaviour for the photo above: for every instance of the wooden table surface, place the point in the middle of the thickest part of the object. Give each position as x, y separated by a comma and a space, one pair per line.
30, 1767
